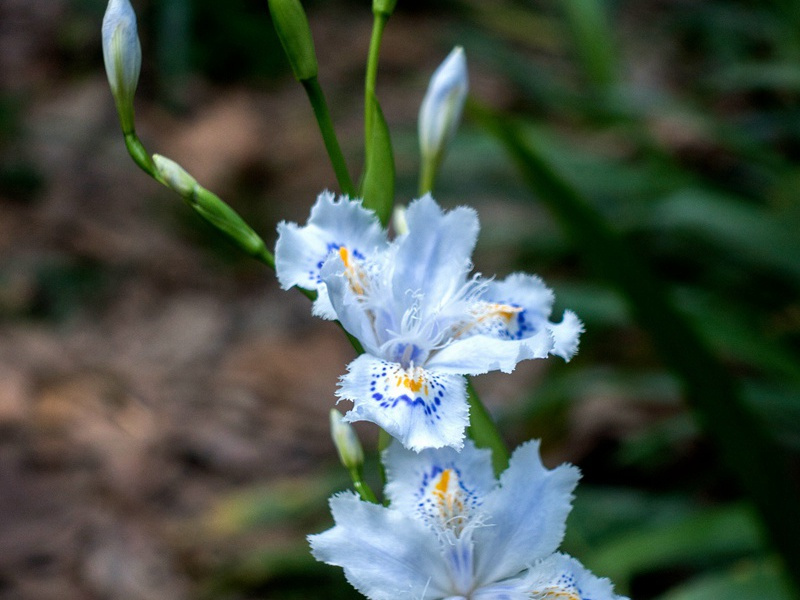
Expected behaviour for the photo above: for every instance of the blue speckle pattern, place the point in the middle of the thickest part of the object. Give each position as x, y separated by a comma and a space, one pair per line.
443, 500
390, 385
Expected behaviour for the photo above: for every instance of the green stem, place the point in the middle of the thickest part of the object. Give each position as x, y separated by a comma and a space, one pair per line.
427, 175
323, 115
378, 25
483, 430
361, 486
140, 155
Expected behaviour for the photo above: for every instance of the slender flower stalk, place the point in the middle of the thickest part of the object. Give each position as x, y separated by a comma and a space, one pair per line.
320, 107
294, 32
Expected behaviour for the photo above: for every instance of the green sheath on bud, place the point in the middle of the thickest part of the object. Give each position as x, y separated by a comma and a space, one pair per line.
211, 208
383, 7
292, 28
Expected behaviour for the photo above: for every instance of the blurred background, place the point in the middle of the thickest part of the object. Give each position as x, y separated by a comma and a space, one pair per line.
163, 406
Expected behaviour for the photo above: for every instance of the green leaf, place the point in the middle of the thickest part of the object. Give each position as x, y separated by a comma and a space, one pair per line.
746, 581
702, 537
378, 186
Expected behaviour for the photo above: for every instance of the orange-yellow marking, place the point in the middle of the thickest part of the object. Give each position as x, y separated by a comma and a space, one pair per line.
551, 593
504, 311
440, 489
351, 270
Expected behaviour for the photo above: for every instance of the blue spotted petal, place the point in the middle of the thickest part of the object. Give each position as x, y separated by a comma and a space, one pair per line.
419, 407
410, 476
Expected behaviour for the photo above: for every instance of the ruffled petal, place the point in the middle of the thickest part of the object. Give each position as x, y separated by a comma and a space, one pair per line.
566, 335
419, 407
519, 307
334, 223
385, 554
481, 353
414, 483
561, 577
434, 257
525, 515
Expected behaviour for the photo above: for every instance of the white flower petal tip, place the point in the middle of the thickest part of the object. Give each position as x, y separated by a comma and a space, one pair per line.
441, 108
566, 335
453, 531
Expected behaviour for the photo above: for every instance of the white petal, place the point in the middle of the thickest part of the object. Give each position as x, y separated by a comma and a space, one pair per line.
434, 257
419, 407
567, 335
480, 353
409, 474
334, 223
385, 554
561, 577
525, 515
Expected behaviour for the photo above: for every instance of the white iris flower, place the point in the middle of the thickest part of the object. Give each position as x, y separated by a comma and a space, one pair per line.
453, 532
421, 319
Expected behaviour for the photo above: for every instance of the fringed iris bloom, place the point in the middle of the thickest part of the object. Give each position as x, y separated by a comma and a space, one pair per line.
453, 532
423, 322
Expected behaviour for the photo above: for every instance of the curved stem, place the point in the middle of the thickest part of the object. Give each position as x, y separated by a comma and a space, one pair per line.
323, 115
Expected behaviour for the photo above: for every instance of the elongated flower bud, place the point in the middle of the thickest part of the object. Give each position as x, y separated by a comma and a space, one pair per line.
291, 25
441, 108
347, 445
122, 54
209, 206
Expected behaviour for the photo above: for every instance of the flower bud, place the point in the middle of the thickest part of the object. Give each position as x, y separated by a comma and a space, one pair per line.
442, 105
346, 441
292, 28
210, 207
175, 176
122, 55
